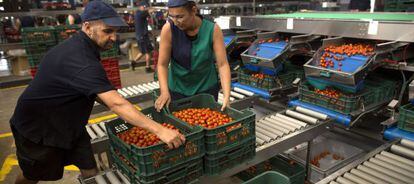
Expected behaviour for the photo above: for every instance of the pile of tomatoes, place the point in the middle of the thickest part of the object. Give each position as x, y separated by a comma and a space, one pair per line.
332, 52
259, 76
204, 117
332, 93
324, 154
141, 137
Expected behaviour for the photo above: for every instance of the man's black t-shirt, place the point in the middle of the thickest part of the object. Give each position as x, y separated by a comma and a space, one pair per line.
55, 107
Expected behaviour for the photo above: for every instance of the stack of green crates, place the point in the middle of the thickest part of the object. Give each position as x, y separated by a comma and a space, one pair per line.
157, 163
64, 32
293, 170
37, 41
226, 147
375, 92
111, 53
398, 5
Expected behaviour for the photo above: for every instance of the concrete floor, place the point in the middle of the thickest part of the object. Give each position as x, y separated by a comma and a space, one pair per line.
8, 164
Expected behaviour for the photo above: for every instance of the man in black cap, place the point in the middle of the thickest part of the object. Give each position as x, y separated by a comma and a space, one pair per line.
49, 121
142, 35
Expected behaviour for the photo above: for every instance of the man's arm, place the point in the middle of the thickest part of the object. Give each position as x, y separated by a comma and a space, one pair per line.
129, 113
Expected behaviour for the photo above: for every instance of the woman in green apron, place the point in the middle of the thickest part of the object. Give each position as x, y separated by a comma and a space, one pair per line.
190, 49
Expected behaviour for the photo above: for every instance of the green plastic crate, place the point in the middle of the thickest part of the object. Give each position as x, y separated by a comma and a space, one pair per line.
269, 177
295, 172
65, 31
219, 138
406, 119
217, 163
183, 173
376, 91
111, 53
282, 81
38, 39
156, 158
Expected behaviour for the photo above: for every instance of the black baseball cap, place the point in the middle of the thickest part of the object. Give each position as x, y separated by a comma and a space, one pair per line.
98, 10
176, 3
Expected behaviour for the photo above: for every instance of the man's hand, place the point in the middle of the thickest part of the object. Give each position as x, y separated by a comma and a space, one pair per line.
171, 137
163, 99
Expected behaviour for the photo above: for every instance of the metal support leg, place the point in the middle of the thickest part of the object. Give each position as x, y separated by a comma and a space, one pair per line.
308, 157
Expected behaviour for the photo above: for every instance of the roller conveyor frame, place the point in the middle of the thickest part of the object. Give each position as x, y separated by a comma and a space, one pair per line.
145, 96
356, 163
269, 150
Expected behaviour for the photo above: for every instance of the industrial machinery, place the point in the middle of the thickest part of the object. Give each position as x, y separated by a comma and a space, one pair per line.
342, 107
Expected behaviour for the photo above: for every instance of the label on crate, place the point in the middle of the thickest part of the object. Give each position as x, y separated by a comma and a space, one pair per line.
289, 23
238, 21
373, 27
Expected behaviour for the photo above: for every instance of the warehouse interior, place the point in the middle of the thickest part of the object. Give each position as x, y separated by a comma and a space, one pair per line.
321, 91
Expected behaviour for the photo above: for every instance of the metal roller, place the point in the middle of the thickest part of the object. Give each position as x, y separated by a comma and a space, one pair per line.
291, 119
133, 90
112, 178
270, 124
102, 125
100, 179
392, 176
270, 129
281, 124
259, 141
333, 182
123, 178
394, 162
244, 92
312, 113
152, 85
399, 158
273, 135
343, 180
292, 124
143, 88
91, 133
403, 151
138, 89
127, 91
407, 143
148, 87
237, 95
302, 116
122, 93
231, 98
356, 179
263, 137
367, 176
392, 167
377, 174
156, 84
98, 130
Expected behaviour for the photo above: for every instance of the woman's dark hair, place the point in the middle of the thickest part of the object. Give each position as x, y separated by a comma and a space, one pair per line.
189, 6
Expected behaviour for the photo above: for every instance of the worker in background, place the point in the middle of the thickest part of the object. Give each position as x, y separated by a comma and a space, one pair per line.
49, 120
359, 5
142, 36
190, 49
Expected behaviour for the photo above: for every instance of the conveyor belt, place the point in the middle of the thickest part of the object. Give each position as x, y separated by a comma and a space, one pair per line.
236, 94
96, 131
134, 94
392, 164
278, 132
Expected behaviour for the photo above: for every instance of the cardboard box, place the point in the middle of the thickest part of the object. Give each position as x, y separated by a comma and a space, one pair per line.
20, 65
